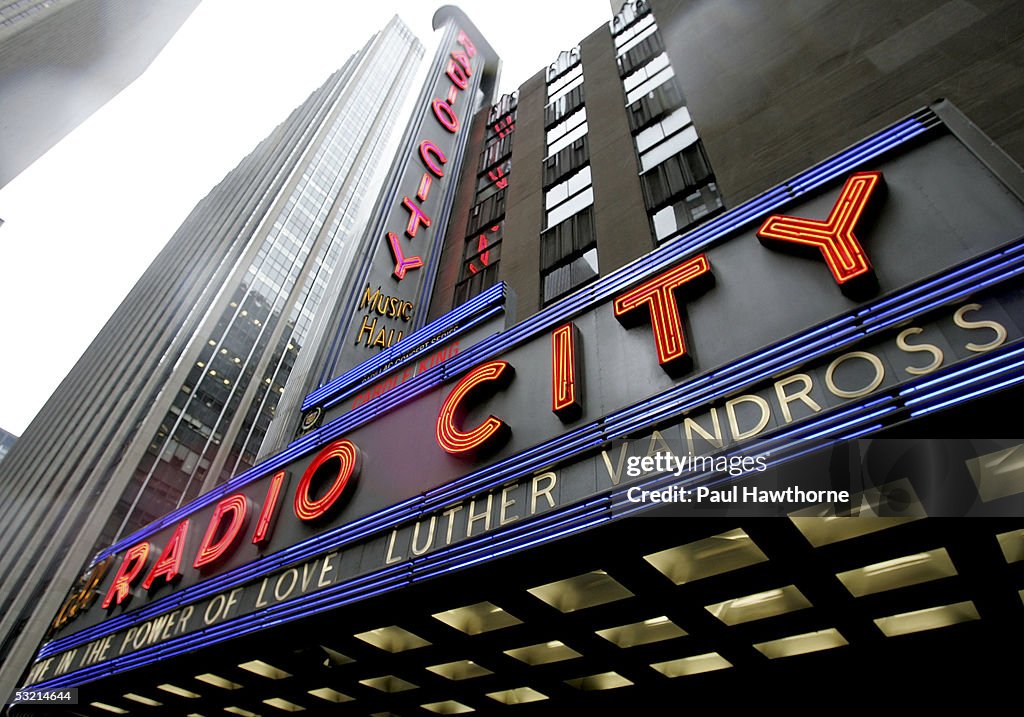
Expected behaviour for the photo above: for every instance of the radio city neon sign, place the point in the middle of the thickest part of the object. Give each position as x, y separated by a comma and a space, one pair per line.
322, 489
459, 69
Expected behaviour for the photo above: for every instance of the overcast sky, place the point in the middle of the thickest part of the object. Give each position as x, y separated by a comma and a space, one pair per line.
84, 221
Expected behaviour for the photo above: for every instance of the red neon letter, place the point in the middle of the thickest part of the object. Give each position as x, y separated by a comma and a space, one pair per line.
133, 563
416, 217
464, 40
457, 74
834, 237
490, 434
445, 115
658, 296
222, 535
403, 263
168, 565
345, 453
433, 157
269, 511
565, 374
424, 189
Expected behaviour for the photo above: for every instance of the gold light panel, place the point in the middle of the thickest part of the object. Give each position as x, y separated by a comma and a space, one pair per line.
240, 711
694, 665
264, 669
543, 653
477, 618
460, 670
759, 605
710, 556
582, 591
448, 707
929, 619
898, 572
517, 696
999, 474
284, 705
334, 658
871, 511
180, 691
326, 693
603, 681
392, 639
1012, 545
801, 644
655, 629
388, 683
108, 708
217, 681
142, 700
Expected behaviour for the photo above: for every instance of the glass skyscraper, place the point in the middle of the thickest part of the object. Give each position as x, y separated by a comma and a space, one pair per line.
177, 390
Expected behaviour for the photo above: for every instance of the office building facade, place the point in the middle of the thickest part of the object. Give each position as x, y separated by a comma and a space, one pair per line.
178, 389
787, 244
7, 441
61, 60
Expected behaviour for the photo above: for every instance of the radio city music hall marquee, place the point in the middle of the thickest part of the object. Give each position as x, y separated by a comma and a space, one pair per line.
906, 270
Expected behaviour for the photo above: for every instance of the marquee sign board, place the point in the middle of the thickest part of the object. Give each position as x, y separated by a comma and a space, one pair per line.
512, 434
390, 288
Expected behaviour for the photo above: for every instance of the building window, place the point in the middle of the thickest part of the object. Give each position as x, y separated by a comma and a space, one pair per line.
703, 203
665, 142
641, 53
630, 23
568, 256
492, 181
495, 152
567, 80
630, 38
566, 161
564, 106
568, 197
654, 105
647, 78
676, 177
480, 258
567, 131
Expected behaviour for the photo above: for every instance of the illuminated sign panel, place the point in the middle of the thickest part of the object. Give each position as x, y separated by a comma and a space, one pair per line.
775, 350
391, 286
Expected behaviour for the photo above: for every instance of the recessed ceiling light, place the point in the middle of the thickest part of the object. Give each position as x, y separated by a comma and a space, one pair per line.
284, 705
928, 619
477, 618
692, 665
641, 633
711, 556
603, 681
448, 707
109, 708
264, 669
543, 653
898, 572
326, 693
517, 696
388, 683
801, 644
759, 605
240, 711
1012, 545
392, 639
217, 681
582, 591
180, 691
142, 700
459, 670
